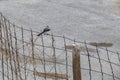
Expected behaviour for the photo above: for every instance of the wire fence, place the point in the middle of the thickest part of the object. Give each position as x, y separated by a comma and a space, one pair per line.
25, 56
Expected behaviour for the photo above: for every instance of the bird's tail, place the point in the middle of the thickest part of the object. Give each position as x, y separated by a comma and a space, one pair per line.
40, 33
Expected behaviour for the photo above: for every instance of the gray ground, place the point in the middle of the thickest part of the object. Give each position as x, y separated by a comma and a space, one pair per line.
91, 20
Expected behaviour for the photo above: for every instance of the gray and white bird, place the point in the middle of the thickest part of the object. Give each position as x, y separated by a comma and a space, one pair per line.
45, 30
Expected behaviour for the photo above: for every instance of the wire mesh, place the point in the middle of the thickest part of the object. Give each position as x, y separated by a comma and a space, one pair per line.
25, 56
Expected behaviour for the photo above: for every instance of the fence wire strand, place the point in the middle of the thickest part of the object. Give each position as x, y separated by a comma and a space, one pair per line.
25, 56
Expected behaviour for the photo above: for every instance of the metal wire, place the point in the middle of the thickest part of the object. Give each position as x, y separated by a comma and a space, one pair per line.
19, 61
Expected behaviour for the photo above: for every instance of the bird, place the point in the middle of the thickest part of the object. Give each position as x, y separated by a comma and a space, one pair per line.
45, 30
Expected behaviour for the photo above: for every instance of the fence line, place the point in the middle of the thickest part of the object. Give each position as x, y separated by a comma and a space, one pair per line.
59, 36
25, 56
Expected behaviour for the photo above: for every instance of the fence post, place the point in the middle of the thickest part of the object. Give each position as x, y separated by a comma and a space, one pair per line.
76, 63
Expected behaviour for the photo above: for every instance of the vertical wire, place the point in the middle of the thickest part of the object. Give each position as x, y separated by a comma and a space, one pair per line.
66, 56
33, 54
23, 50
110, 64
99, 61
10, 51
118, 57
54, 56
13, 56
2, 62
16, 53
43, 56
6, 46
89, 61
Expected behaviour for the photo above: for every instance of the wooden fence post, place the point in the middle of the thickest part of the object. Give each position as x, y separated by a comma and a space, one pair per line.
76, 63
